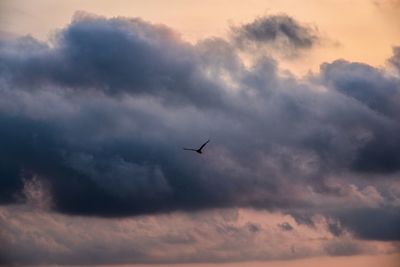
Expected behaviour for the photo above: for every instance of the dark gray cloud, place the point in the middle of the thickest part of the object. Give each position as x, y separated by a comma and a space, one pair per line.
100, 116
115, 56
370, 86
373, 223
335, 228
381, 93
395, 59
343, 248
280, 31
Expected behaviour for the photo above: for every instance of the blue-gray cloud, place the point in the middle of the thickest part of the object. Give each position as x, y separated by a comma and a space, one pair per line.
115, 56
366, 84
279, 31
395, 59
379, 92
383, 224
101, 115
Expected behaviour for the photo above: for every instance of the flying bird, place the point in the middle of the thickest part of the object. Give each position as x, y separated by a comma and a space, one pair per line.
199, 150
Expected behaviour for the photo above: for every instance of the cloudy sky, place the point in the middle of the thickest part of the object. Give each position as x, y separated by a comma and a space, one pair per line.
301, 102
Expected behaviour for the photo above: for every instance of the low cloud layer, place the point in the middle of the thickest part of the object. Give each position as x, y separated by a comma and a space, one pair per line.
230, 235
99, 116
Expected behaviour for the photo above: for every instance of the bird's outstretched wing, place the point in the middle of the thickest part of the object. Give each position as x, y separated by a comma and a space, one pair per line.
191, 149
203, 145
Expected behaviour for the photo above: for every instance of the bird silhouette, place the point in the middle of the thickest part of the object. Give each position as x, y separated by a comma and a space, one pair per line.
199, 150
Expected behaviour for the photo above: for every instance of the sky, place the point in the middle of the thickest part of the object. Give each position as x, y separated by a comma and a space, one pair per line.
300, 101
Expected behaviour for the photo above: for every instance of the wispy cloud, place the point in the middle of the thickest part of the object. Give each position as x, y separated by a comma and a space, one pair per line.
280, 32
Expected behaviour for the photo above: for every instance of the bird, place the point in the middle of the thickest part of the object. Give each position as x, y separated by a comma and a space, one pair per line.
199, 150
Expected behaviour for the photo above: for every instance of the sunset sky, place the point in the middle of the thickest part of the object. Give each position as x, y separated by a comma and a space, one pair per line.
300, 99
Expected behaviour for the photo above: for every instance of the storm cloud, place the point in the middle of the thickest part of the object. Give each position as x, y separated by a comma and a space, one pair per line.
100, 114
379, 92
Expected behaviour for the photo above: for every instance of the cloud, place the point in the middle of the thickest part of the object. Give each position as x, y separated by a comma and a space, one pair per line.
99, 116
285, 226
278, 31
115, 56
36, 237
383, 224
395, 59
381, 93
342, 248
371, 86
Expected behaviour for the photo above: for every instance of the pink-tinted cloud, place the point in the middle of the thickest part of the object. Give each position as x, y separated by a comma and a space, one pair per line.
31, 235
